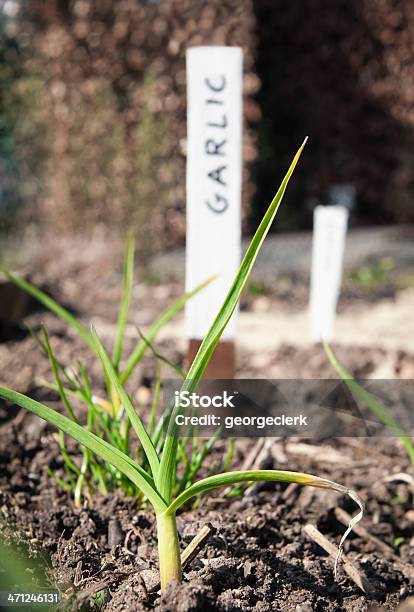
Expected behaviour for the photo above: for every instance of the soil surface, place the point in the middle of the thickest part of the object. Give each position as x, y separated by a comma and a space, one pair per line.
259, 557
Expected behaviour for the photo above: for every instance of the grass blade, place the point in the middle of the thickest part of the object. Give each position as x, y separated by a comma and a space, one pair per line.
206, 350
136, 422
51, 305
370, 401
126, 299
101, 448
164, 318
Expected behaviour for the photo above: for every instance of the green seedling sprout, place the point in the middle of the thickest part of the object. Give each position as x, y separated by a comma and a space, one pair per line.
370, 401
157, 482
106, 415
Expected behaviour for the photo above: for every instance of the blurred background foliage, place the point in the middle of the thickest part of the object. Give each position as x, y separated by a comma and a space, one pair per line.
92, 108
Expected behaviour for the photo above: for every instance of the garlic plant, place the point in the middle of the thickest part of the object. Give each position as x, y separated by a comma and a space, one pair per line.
157, 482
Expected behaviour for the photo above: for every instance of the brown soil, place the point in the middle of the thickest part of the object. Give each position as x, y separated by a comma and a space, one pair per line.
259, 557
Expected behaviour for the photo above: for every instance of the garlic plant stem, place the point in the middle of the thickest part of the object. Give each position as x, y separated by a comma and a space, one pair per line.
168, 550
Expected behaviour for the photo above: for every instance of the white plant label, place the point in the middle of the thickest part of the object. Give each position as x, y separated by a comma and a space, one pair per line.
214, 170
329, 232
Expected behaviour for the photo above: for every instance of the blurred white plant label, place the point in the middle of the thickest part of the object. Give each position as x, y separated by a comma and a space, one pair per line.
214, 170
329, 232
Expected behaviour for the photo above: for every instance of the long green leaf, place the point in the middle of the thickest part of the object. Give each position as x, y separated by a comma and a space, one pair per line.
55, 370
51, 305
161, 358
213, 335
230, 478
100, 447
126, 299
136, 422
156, 395
167, 473
370, 401
151, 334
